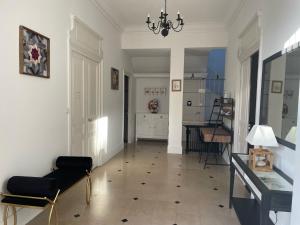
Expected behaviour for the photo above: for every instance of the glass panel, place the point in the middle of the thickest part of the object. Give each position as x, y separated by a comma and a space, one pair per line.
272, 180
280, 94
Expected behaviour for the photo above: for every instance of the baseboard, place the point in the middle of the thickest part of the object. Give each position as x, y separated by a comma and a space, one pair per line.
174, 149
112, 153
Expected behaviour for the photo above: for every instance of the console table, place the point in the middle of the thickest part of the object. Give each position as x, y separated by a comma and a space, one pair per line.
272, 191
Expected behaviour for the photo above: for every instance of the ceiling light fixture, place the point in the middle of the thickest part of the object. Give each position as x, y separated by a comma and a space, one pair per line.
164, 25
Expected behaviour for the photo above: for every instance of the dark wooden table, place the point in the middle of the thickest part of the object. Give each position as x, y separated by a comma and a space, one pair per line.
271, 191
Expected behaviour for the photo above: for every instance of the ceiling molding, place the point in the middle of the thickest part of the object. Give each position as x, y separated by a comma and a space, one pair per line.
151, 75
232, 18
103, 10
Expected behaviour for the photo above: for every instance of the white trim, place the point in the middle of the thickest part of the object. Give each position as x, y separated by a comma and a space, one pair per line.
151, 75
94, 53
175, 150
110, 18
231, 19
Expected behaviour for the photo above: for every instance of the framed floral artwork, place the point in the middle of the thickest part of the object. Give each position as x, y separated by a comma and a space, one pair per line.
34, 53
114, 79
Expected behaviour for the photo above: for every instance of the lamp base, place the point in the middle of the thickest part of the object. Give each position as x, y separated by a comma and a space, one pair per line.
261, 159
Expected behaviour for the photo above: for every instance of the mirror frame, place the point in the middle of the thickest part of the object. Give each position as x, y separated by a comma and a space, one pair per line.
267, 60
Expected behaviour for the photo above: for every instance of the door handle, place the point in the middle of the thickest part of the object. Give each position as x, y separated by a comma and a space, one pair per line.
90, 119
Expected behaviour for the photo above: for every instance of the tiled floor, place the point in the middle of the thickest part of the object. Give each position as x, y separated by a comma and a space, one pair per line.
145, 186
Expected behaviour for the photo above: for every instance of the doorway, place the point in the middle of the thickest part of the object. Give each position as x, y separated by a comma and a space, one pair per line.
253, 91
85, 92
126, 106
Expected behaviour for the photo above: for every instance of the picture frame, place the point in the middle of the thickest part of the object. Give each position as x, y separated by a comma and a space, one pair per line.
176, 85
276, 86
34, 53
114, 79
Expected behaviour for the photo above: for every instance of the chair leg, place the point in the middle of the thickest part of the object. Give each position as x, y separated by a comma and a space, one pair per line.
56, 215
50, 214
14, 214
5, 214
88, 190
207, 152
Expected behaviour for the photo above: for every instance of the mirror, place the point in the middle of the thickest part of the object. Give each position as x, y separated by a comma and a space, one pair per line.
280, 95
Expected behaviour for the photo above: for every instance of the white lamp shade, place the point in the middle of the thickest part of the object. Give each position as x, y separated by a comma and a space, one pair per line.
291, 136
261, 135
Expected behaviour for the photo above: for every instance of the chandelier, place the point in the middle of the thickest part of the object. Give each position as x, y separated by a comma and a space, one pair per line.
164, 25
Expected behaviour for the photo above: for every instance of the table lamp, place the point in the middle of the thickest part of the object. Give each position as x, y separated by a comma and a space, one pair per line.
262, 136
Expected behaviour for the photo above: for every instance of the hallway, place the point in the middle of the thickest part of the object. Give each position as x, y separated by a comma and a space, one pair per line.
143, 185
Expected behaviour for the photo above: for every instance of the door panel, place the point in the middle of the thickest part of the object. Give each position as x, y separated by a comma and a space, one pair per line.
243, 119
77, 105
84, 106
92, 81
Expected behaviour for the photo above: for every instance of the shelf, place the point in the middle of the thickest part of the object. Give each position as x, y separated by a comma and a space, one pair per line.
247, 210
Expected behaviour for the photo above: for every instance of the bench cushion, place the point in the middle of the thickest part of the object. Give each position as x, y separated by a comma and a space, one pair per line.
73, 162
25, 201
65, 178
33, 187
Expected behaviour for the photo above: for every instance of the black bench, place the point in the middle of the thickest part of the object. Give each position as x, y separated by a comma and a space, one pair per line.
42, 192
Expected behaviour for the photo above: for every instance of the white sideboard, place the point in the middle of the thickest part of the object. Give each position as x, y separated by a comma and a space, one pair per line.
152, 126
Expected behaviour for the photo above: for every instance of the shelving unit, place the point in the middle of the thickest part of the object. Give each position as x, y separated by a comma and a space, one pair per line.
248, 211
201, 92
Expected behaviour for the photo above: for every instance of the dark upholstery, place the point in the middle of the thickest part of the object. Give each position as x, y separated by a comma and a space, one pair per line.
65, 178
70, 170
32, 186
25, 201
73, 162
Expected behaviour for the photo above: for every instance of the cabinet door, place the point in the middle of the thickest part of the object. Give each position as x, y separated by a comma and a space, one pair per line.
142, 125
161, 126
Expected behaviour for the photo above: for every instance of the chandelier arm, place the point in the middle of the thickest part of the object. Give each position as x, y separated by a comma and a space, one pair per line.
157, 30
179, 29
172, 25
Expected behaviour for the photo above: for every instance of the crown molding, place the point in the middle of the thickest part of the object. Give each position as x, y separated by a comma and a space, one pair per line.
103, 10
232, 18
151, 75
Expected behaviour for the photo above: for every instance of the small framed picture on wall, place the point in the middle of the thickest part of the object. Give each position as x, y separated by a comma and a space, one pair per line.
114, 79
276, 86
176, 85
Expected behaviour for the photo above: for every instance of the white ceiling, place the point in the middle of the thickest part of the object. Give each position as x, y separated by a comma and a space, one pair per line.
133, 13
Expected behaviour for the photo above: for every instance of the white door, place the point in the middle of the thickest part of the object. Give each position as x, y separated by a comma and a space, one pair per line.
85, 103
77, 105
243, 119
92, 100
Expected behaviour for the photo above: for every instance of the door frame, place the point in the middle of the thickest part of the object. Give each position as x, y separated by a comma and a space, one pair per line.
128, 108
250, 41
76, 43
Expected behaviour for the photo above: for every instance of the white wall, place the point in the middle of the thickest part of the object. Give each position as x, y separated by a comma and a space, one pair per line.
154, 64
142, 99
194, 64
33, 110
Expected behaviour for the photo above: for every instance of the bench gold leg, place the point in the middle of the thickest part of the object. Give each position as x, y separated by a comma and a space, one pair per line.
50, 214
5, 212
14, 214
56, 215
88, 190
